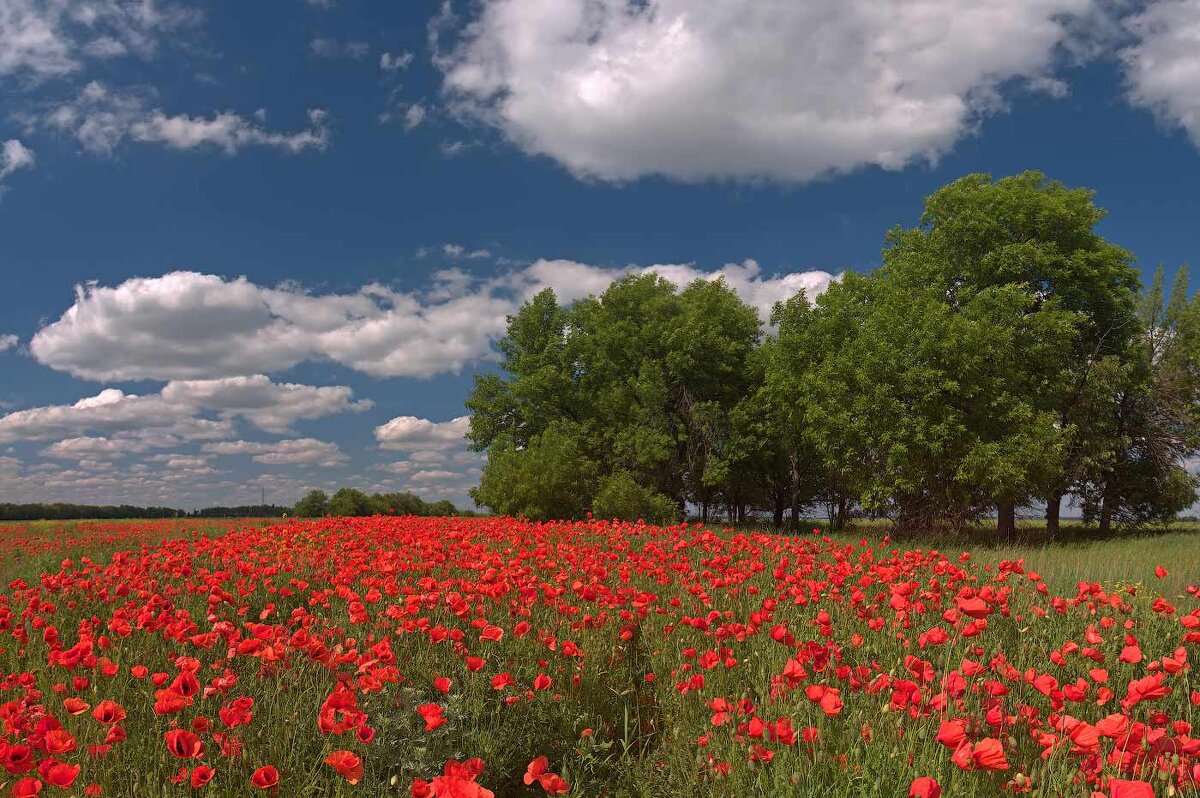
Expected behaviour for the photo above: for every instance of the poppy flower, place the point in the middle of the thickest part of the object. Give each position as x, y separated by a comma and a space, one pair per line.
75, 706
58, 741
201, 775
27, 787
432, 715
108, 712
988, 754
265, 777
1121, 788
924, 787
184, 744
349, 765
60, 774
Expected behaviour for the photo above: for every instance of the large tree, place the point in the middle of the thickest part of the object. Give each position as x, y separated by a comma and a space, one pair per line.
1038, 237
642, 380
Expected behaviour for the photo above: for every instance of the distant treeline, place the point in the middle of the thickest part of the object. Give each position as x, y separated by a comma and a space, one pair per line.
1005, 355
354, 502
74, 512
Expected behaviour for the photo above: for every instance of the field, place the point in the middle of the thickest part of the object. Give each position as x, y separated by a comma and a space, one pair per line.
470, 657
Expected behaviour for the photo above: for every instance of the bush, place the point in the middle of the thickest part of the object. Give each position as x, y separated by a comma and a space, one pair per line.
622, 498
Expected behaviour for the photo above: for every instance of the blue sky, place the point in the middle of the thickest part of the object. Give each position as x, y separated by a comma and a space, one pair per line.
248, 246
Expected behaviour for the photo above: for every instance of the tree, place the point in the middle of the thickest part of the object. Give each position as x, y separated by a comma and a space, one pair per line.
442, 507
403, 503
1038, 237
1148, 411
551, 477
639, 380
351, 502
621, 497
314, 505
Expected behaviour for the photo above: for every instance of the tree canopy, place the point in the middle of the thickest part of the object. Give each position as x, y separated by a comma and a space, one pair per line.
1003, 356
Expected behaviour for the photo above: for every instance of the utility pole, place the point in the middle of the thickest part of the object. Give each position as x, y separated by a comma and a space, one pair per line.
264, 495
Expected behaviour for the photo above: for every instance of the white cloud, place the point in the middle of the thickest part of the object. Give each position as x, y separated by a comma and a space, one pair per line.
743, 89
270, 406
1162, 67
410, 433
414, 115
434, 476
324, 47
51, 38
458, 251
88, 447
8, 342
300, 451
101, 119
187, 325
163, 419
13, 156
391, 62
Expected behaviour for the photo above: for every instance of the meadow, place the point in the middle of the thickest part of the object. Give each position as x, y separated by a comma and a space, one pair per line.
491, 656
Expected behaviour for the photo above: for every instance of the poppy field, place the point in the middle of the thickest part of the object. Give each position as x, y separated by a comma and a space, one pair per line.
466, 658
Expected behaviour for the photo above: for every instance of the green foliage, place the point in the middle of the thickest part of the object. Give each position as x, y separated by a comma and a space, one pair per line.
1001, 357
315, 504
551, 477
620, 497
640, 380
351, 502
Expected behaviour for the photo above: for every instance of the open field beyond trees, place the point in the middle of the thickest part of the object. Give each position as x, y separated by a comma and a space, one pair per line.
470, 657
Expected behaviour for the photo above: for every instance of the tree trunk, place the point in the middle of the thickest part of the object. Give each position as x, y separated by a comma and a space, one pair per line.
1053, 513
780, 502
1006, 520
795, 494
704, 512
1106, 510
741, 513
839, 516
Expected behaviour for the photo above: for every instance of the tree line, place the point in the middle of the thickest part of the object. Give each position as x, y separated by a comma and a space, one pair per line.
354, 502
1003, 356
57, 511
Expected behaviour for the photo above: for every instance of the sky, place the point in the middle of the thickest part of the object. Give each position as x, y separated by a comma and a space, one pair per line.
255, 248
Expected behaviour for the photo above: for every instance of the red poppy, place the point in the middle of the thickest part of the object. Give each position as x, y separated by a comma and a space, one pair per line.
108, 712
184, 744
1120, 788
201, 775
349, 765
924, 787
432, 715
265, 777
27, 787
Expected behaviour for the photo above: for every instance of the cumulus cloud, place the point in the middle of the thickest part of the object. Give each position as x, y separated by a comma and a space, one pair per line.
743, 89
50, 38
90, 447
188, 325
13, 156
437, 463
299, 451
101, 119
8, 342
410, 433
268, 405
1162, 67
174, 414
